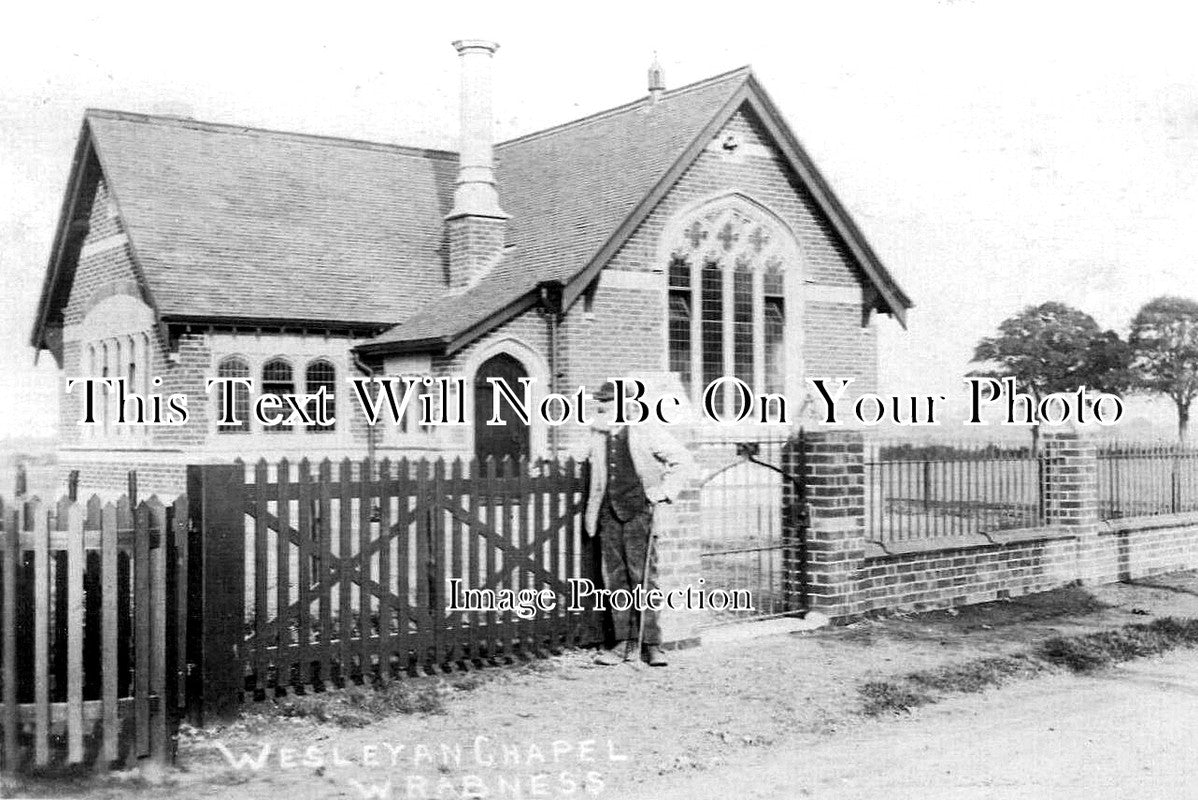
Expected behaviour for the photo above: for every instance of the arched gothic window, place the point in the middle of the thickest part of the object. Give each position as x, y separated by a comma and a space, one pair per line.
727, 296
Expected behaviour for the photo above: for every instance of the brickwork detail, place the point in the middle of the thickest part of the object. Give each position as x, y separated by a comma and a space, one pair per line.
678, 565
102, 273
830, 465
1070, 487
110, 479
475, 244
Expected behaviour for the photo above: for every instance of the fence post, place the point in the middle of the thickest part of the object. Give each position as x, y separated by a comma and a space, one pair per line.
831, 466
216, 590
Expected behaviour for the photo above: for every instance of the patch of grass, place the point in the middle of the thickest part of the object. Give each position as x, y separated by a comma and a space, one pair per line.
357, 706
1083, 653
1012, 617
468, 682
974, 675
887, 697
1078, 654
1093, 651
1067, 601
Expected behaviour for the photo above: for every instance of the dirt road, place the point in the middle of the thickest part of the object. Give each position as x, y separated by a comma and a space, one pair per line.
1131, 732
777, 715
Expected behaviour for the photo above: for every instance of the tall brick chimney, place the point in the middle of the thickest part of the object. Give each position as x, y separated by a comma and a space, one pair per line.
476, 225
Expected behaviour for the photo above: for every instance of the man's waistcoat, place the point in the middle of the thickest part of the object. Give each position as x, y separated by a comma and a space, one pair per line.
625, 490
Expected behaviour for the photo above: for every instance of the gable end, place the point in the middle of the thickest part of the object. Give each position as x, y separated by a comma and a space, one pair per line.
89, 231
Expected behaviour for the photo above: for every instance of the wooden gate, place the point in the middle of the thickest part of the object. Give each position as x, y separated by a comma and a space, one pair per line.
92, 607
345, 579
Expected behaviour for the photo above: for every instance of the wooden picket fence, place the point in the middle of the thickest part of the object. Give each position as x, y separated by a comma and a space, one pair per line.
92, 603
344, 579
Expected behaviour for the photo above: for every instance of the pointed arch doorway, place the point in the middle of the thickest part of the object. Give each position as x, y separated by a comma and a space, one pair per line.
499, 441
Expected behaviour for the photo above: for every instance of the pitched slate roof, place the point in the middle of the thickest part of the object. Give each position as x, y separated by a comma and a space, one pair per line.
238, 224
595, 180
229, 222
567, 190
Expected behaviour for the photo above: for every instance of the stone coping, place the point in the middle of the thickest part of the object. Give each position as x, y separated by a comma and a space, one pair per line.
1127, 524
970, 541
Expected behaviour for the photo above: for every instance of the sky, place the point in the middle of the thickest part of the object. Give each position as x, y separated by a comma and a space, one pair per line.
995, 154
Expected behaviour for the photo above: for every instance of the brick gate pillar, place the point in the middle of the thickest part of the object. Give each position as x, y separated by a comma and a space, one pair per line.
1069, 493
831, 466
678, 565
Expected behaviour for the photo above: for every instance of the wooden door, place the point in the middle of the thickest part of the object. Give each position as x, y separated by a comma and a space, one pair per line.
498, 441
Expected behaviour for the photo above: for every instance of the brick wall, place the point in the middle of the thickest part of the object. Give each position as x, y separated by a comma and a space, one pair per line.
837, 345
848, 574
187, 376
972, 572
101, 268
109, 478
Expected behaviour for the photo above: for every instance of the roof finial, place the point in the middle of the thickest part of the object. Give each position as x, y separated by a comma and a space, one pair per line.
657, 80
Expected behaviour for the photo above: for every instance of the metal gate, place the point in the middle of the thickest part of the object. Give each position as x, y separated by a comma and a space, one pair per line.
746, 543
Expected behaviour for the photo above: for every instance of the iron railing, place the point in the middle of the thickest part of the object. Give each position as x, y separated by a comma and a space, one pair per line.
920, 490
1140, 480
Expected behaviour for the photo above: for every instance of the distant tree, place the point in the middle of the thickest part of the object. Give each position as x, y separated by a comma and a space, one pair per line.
1053, 348
1164, 342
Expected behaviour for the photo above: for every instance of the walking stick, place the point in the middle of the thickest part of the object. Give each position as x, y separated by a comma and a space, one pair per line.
640, 634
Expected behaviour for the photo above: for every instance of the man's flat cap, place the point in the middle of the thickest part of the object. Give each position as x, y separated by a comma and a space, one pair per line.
606, 393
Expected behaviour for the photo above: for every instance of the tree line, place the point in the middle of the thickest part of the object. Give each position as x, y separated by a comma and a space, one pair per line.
1054, 347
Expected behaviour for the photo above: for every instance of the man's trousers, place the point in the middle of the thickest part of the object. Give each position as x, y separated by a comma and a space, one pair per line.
624, 546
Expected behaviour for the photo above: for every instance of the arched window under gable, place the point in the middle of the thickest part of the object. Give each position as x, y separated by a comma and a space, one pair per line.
727, 303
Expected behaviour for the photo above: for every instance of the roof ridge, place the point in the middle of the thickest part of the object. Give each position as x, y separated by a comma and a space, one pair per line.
225, 127
742, 71
363, 144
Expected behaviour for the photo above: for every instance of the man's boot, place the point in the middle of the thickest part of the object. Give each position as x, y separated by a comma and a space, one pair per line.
618, 654
654, 656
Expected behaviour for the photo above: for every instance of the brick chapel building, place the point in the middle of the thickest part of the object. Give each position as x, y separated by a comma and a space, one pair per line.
685, 235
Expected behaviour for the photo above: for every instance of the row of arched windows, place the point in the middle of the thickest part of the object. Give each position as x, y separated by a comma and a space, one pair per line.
278, 377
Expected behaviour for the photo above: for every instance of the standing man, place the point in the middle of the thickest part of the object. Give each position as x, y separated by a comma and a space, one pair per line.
633, 469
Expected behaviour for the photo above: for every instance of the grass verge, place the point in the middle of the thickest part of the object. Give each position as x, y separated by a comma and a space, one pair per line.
1082, 653
357, 706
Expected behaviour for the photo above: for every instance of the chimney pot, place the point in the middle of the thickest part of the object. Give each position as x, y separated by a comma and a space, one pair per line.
476, 226
657, 80
475, 194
